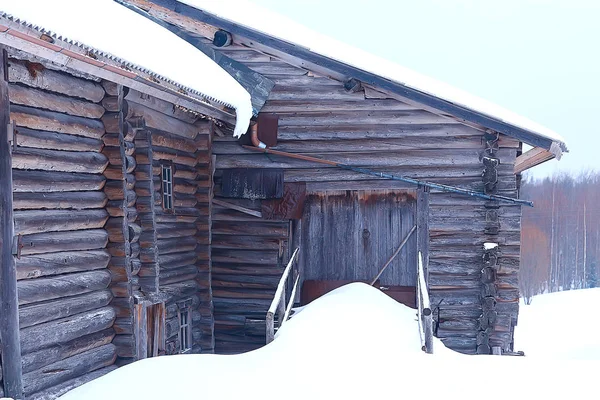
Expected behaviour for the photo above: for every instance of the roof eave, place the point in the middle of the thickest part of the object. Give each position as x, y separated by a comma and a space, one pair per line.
443, 106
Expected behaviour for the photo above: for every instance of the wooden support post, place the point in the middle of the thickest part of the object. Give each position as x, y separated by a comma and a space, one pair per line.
423, 229
9, 309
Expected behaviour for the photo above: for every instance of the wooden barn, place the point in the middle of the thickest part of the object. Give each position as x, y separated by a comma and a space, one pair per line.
135, 223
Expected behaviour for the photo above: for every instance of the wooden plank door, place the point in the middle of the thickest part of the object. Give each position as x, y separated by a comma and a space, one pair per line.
350, 235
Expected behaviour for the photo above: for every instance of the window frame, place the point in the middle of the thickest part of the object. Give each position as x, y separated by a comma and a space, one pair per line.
184, 318
167, 187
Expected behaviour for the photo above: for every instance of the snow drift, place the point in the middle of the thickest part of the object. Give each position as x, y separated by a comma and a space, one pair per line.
561, 325
353, 343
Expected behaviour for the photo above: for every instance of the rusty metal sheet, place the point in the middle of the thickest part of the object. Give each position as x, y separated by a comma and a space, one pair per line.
267, 128
290, 206
313, 289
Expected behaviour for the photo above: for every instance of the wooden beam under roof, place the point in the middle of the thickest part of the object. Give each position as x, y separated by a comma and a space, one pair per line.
531, 158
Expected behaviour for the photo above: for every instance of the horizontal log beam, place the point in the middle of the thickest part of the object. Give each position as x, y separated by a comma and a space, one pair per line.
36, 314
66, 329
43, 120
35, 290
69, 368
54, 140
37, 76
59, 200
41, 221
64, 241
53, 160
46, 356
25, 96
47, 181
35, 266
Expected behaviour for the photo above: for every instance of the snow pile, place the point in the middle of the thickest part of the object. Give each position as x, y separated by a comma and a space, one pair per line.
258, 18
112, 28
561, 325
353, 343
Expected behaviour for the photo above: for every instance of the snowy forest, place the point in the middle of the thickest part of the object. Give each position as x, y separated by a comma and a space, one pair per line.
561, 235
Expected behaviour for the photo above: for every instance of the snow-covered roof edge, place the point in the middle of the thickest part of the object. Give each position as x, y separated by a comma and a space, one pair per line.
151, 78
244, 19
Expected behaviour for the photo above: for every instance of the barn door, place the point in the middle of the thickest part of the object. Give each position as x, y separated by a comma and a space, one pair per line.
349, 236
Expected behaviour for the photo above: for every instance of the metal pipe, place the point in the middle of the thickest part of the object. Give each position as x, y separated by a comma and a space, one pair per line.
439, 186
254, 137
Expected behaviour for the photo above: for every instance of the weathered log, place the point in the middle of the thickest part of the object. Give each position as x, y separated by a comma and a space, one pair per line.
40, 221
169, 246
49, 264
134, 232
48, 101
65, 161
122, 289
43, 120
111, 122
62, 388
40, 289
26, 137
176, 260
46, 182
111, 88
162, 122
113, 172
161, 139
66, 329
63, 241
114, 227
40, 358
176, 156
167, 277
36, 314
123, 326
64, 200
125, 345
161, 106
182, 289
54, 81
130, 164
69, 368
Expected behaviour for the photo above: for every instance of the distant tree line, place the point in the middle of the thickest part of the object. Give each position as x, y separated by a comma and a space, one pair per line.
560, 239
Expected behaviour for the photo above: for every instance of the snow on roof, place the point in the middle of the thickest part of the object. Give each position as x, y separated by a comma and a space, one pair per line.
270, 23
353, 343
112, 28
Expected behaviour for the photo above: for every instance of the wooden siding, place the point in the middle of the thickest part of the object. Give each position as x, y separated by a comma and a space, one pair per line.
59, 213
317, 116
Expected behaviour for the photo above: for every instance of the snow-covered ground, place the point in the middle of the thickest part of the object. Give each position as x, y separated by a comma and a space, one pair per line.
563, 325
353, 343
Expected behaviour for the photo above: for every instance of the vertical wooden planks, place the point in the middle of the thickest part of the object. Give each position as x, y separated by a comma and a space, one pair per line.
9, 310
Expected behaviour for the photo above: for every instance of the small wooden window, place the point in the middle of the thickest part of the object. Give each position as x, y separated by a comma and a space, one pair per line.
184, 314
167, 186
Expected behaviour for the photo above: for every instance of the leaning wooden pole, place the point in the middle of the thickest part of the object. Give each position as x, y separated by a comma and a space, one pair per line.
9, 306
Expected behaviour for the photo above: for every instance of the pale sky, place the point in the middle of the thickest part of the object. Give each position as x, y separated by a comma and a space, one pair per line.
539, 58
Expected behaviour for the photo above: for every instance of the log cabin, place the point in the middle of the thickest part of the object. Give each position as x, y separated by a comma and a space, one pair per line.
136, 222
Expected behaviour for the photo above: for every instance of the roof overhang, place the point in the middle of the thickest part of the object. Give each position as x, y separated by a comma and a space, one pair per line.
28, 39
318, 63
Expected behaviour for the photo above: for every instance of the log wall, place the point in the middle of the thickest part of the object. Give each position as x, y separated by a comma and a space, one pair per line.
60, 217
175, 251
367, 128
